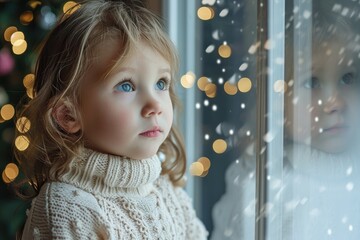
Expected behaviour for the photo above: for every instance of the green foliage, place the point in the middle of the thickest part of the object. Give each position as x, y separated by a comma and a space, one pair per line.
12, 209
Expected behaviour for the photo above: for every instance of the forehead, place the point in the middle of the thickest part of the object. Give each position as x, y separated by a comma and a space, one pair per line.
336, 48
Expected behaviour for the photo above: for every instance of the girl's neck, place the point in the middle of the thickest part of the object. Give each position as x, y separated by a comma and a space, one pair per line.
110, 175
313, 162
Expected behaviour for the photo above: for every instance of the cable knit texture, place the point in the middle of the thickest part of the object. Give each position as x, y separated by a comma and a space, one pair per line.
110, 197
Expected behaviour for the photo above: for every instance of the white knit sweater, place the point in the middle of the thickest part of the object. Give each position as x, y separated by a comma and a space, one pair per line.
110, 197
318, 194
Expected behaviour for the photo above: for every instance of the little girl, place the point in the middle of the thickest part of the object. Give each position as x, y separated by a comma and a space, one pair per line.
102, 112
321, 169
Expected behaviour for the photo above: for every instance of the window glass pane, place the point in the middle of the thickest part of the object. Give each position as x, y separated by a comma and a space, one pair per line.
312, 133
321, 145
227, 89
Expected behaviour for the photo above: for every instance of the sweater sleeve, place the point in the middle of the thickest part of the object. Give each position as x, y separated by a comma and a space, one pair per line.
234, 214
62, 211
195, 229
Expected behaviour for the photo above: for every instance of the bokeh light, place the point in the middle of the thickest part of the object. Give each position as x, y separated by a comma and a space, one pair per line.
7, 112
280, 86
26, 17
28, 80
230, 89
187, 80
19, 47
70, 7
5, 178
210, 90
219, 146
11, 171
18, 35
205, 162
30, 93
196, 169
202, 82
34, 4
205, 13
8, 32
224, 51
23, 124
22, 143
244, 85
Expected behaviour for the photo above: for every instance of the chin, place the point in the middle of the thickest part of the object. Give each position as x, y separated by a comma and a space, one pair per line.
143, 155
334, 148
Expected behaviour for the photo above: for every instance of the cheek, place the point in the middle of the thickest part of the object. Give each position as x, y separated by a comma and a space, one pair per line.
299, 120
108, 121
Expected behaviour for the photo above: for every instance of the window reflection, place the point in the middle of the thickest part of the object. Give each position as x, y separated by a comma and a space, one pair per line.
317, 186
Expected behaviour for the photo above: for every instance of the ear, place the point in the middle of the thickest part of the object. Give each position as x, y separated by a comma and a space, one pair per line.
64, 115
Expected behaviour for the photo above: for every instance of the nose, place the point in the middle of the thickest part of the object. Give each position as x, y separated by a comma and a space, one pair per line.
335, 103
151, 108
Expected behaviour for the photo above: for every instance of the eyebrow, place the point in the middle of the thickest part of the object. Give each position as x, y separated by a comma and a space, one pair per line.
164, 70
130, 69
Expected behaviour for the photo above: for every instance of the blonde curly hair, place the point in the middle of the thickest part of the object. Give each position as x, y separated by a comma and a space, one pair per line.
65, 56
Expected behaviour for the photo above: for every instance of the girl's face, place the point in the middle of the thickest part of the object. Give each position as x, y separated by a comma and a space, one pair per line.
128, 113
323, 108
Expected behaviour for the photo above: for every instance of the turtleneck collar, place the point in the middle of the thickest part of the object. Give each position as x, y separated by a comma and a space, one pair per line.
313, 162
112, 176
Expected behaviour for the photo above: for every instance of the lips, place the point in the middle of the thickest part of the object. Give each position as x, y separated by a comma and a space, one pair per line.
336, 128
153, 132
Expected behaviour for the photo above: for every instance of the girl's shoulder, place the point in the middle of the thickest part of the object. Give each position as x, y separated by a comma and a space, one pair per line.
241, 169
60, 194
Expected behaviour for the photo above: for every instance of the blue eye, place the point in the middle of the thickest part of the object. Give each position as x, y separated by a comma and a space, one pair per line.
162, 85
125, 87
348, 79
312, 83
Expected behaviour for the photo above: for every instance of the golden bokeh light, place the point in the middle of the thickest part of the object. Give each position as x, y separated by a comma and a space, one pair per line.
30, 93
22, 143
7, 112
18, 35
204, 174
23, 124
205, 162
26, 17
11, 171
210, 90
224, 51
8, 32
202, 82
244, 85
19, 47
196, 169
230, 89
219, 146
29, 80
187, 80
205, 13
34, 4
5, 178
70, 7
280, 86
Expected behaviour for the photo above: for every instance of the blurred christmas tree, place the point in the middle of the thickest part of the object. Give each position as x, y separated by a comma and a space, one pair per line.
23, 25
